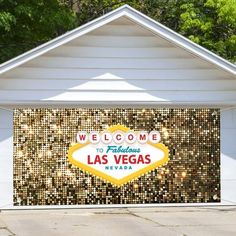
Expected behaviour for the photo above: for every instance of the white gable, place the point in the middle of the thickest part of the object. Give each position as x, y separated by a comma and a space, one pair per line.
123, 57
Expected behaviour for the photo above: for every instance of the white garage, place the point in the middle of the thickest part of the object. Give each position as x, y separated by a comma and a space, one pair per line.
121, 61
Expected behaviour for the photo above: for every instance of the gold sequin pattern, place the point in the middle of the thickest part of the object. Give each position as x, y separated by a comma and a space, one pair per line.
43, 175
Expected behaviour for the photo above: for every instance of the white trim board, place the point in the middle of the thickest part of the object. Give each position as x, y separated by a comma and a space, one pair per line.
223, 203
6, 157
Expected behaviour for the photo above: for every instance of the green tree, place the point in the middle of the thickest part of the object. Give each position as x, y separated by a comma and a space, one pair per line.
210, 23
25, 24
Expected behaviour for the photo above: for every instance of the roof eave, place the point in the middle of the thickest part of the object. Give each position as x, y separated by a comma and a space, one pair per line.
180, 40
58, 41
137, 17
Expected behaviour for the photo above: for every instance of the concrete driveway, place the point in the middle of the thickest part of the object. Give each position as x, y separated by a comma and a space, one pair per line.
122, 221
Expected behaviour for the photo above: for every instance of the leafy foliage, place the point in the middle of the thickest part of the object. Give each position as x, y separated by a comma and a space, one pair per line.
25, 24
210, 23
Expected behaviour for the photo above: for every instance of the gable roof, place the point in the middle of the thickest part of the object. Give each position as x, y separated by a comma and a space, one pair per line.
135, 16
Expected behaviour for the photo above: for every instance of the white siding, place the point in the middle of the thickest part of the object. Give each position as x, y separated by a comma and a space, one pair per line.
6, 157
113, 52
123, 74
116, 84
119, 41
119, 62
228, 155
119, 96
116, 63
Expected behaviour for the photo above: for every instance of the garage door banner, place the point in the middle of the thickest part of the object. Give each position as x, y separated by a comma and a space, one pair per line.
103, 156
